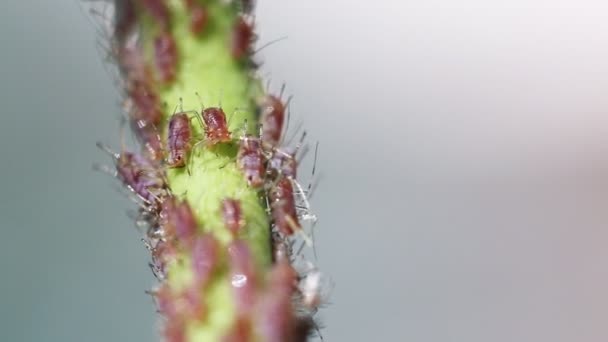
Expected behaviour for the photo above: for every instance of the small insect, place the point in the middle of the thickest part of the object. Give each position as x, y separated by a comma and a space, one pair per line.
198, 19
216, 126
272, 117
180, 222
250, 160
241, 39
165, 54
178, 140
276, 312
283, 207
242, 275
232, 215
205, 258
149, 138
146, 103
159, 11
124, 19
139, 175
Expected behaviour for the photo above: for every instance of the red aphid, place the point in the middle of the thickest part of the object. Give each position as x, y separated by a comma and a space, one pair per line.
194, 306
272, 118
165, 301
178, 140
199, 18
205, 258
275, 315
124, 18
139, 175
216, 126
146, 102
232, 215
283, 163
283, 207
149, 138
242, 273
180, 220
241, 331
165, 54
241, 39
250, 160
159, 11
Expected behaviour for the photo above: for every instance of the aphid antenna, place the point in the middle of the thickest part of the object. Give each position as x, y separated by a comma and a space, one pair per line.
105, 148
295, 133
265, 45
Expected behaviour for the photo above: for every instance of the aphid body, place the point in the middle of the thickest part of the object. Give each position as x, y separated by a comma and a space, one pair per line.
272, 118
165, 54
232, 215
250, 160
178, 140
283, 207
241, 38
216, 126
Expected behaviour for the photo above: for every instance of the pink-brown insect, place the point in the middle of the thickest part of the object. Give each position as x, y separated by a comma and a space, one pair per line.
146, 102
241, 39
250, 160
276, 318
243, 276
159, 11
199, 18
139, 175
282, 163
205, 258
233, 215
165, 54
283, 207
178, 140
272, 117
216, 126
124, 18
180, 220
149, 138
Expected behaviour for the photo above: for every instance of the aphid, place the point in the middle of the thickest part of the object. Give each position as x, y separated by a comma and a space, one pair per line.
216, 126
159, 11
283, 207
250, 160
124, 18
146, 102
178, 140
275, 314
241, 38
205, 257
180, 220
232, 215
139, 175
165, 54
198, 19
149, 138
240, 331
272, 117
242, 273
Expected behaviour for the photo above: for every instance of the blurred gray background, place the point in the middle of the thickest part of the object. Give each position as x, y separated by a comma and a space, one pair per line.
464, 160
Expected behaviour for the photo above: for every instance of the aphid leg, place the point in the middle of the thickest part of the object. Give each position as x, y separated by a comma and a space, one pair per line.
296, 228
303, 197
287, 105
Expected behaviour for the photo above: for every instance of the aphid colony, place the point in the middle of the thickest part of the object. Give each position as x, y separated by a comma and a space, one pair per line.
171, 225
277, 308
265, 166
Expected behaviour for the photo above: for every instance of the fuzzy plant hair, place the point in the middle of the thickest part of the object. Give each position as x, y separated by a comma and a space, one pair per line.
223, 214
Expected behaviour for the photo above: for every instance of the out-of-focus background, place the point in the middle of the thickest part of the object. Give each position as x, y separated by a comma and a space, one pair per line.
464, 162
